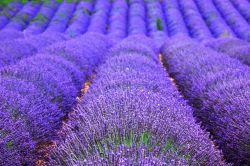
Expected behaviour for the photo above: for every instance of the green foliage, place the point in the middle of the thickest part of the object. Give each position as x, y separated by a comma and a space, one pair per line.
159, 24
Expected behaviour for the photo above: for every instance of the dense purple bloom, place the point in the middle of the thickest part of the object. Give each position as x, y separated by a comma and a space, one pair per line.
80, 20
233, 47
243, 7
196, 25
117, 29
213, 19
22, 18
42, 18
239, 25
9, 12
217, 86
99, 18
10, 34
60, 20
174, 20
12, 51
36, 94
121, 120
137, 16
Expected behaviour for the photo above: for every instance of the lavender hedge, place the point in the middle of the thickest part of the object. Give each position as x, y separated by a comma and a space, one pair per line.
10, 34
122, 119
8, 12
117, 29
23, 17
233, 18
233, 47
213, 19
196, 25
137, 16
174, 20
156, 22
60, 20
39, 23
80, 20
12, 51
36, 94
217, 86
99, 19
243, 7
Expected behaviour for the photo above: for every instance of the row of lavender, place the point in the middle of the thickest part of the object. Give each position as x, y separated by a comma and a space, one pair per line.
200, 19
132, 114
217, 86
38, 92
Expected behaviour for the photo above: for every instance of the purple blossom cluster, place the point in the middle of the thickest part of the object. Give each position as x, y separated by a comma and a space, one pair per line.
235, 48
193, 19
79, 22
243, 7
174, 20
132, 114
60, 20
8, 12
233, 18
12, 51
38, 92
23, 17
218, 87
40, 22
136, 17
214, 20
10, 35
117, 29
156, 22
100, 17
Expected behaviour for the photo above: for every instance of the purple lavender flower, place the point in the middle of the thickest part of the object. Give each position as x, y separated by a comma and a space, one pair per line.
124, 121
217, 86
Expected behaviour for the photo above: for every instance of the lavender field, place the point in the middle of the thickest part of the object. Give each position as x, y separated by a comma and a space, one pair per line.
125, 83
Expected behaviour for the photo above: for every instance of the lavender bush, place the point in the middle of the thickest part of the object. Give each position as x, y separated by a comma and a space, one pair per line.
233, 47
174, 20
80, 20
99, 19
214, 20
196, 25
121, 121
22, 18
60, 20
233, 18
117, 29
137, 16
217, 86
39, 23
36, 94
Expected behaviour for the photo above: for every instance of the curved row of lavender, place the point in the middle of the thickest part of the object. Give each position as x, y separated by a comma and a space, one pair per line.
213, 19
22, 19
201, 19
193, 19
156, 26
218, 86
117, 29
133, 115
233, 47
100, 17
38, 92
136, 17
8, 12
61, 18
40, 22
174, 20
12, 51
239, 25
79, 22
